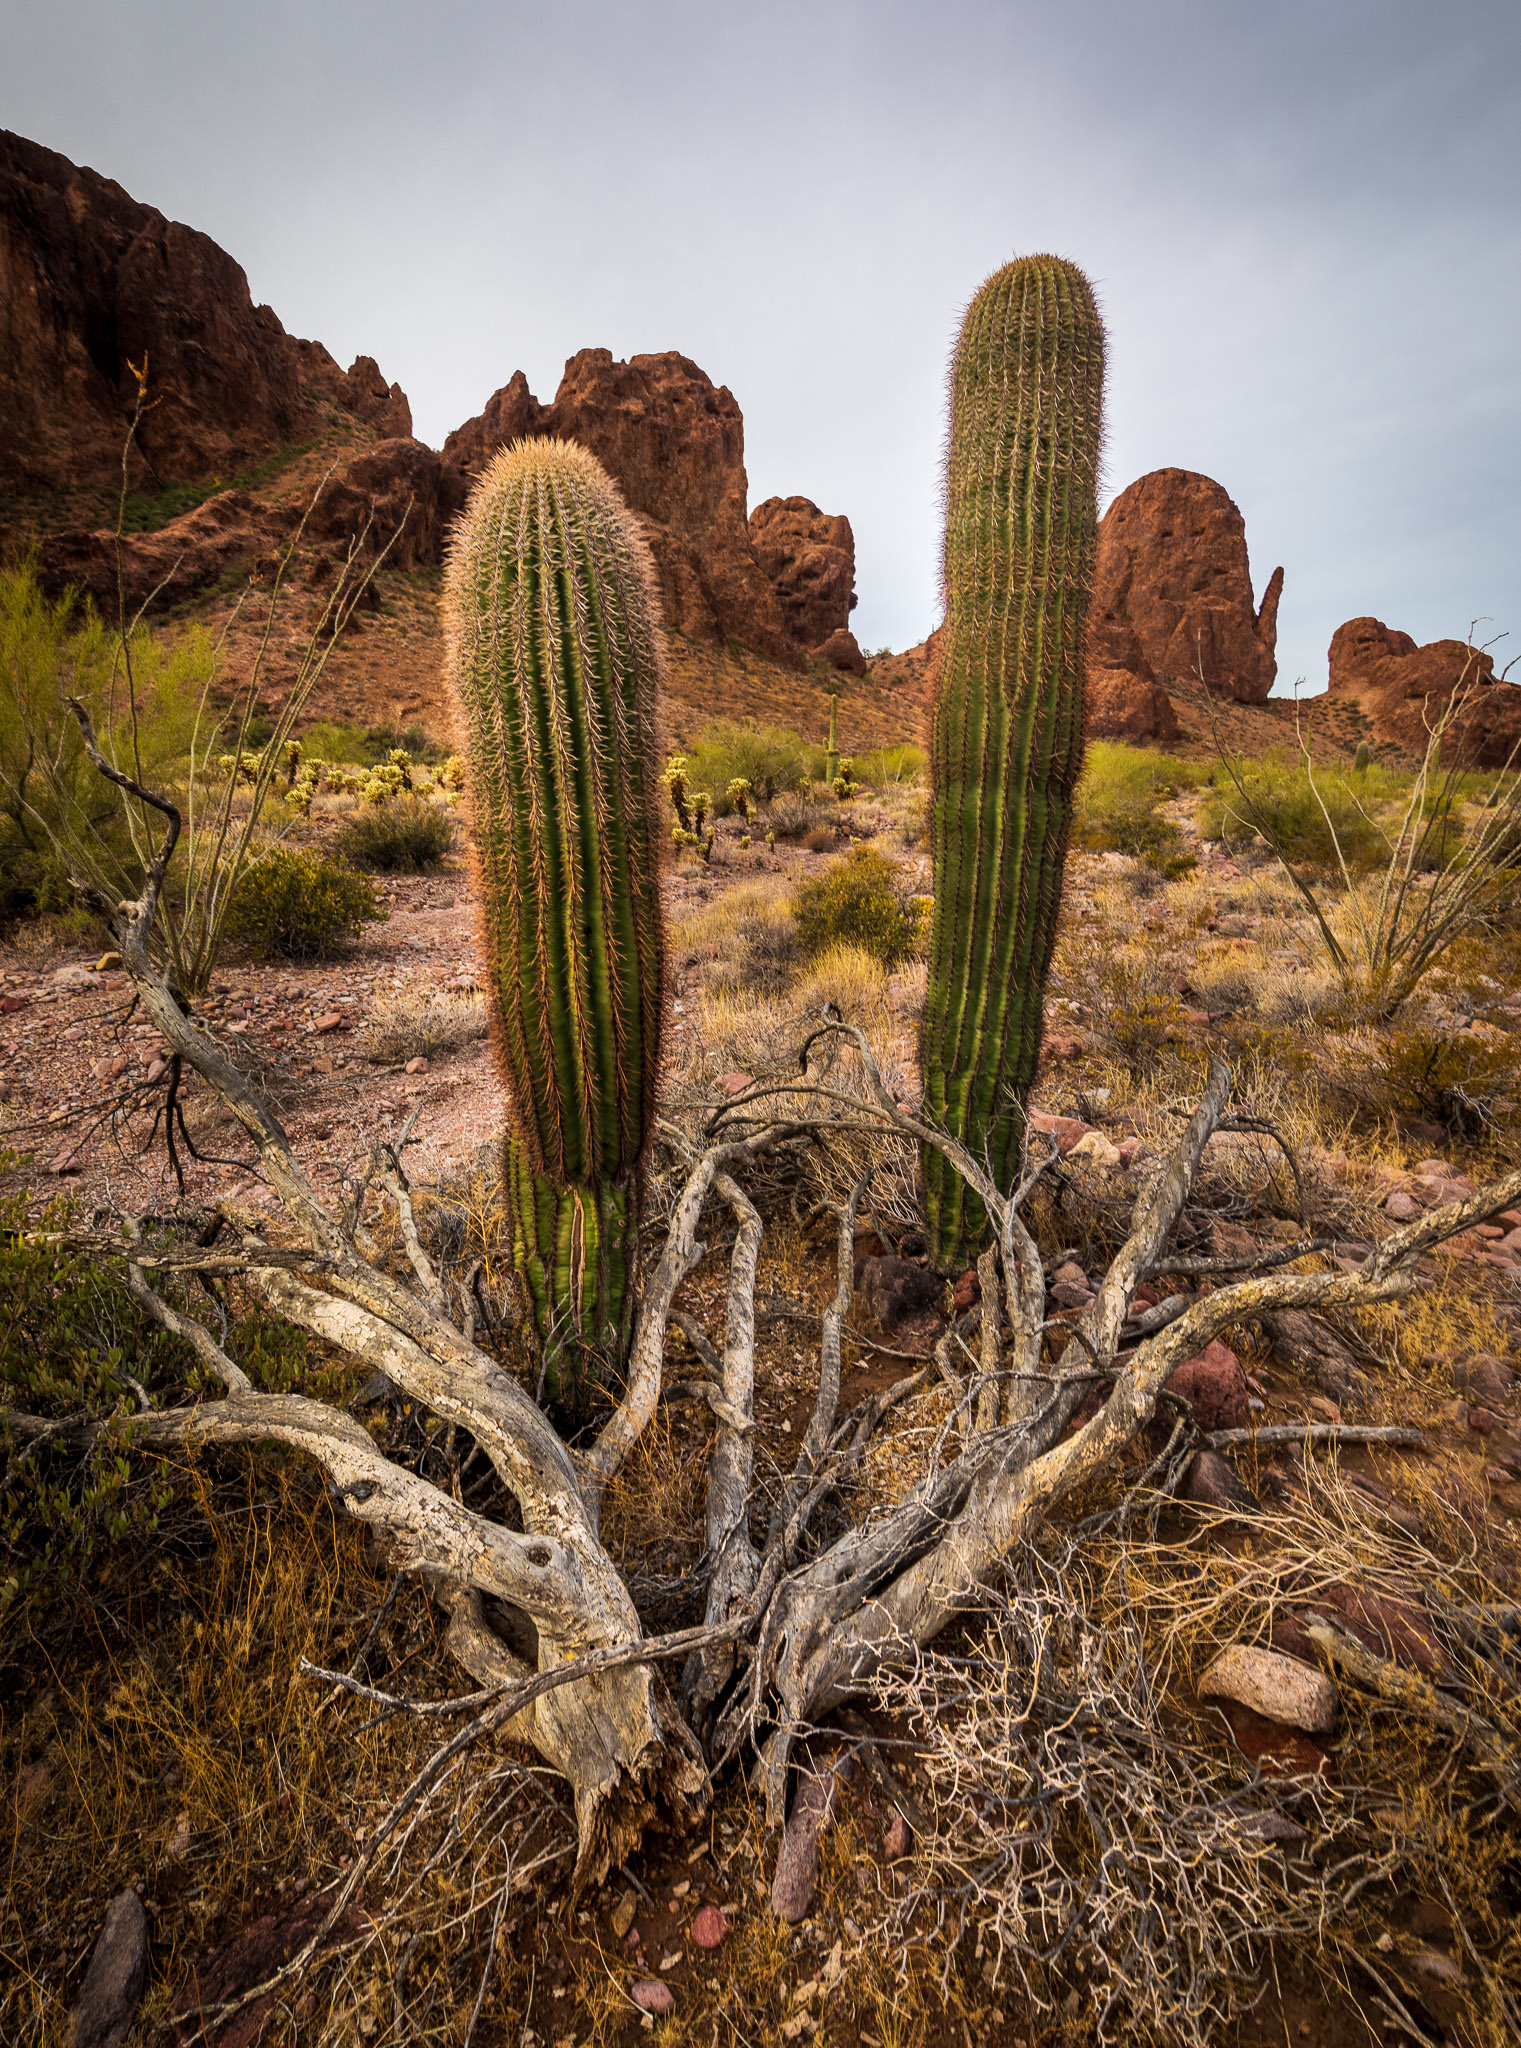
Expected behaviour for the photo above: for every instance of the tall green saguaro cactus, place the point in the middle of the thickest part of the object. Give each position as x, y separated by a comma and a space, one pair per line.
556, 655
1021, 532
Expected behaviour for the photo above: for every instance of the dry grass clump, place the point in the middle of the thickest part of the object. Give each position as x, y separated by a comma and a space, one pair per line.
796, 813
170, 1741
653, 1509
743, 938
420, 1022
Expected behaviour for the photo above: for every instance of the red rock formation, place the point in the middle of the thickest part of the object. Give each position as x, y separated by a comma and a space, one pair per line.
1403, 688
809, 557
511, 414
91, 280
399, 492
1120, 706
1173, 582
842, 651
361, 389
1122, 699
231, 531
674, 443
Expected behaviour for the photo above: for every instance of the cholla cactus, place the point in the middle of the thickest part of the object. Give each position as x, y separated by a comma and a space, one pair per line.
674, 776
842, 785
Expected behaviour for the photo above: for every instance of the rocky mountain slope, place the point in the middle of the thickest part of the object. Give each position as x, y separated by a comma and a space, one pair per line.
256, 439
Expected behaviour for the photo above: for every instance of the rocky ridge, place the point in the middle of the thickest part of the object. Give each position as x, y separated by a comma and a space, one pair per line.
1401, 688
93, 282
95, 285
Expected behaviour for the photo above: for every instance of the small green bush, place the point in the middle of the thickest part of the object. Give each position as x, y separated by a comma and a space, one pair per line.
400, 836
331, 741
50, 791
858, 902
294, 905
797, 813
769, 758
1361, 813
74, 1345
1117, 802
902, 763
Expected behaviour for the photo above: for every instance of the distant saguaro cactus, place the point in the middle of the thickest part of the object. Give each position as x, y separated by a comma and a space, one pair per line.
1021, 532
556, 654
831, 749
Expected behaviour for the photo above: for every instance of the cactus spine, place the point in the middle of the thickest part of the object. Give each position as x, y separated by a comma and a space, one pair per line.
556, 656
1020, 538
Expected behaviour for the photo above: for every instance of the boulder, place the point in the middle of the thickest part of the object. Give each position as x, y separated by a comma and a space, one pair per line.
1483, 1377
842, 651
809, 558
1400, 1630
108, 1998
1213, 1482
1067, 1130
398, 492
1214, 1386
1172, 593
1277, 1687
709, 1927
652, 1995
674, 443
1402, 688
894, 1289
1309, 1346
1134, 708
91, 280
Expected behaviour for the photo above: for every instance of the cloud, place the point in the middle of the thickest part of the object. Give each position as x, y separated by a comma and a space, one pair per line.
1301, 221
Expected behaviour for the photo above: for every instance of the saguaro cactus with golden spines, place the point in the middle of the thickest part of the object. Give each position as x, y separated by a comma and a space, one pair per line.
1021, 532
556, 655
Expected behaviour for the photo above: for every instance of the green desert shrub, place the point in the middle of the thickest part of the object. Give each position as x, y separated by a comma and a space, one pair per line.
769, 757
330, 740
400, 836
50, 791
72, 1344
291, 904
902, 763
1117, 799
859, 901
1306, 823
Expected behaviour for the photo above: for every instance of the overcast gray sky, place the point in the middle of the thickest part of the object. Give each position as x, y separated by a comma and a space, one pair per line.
1303, 218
